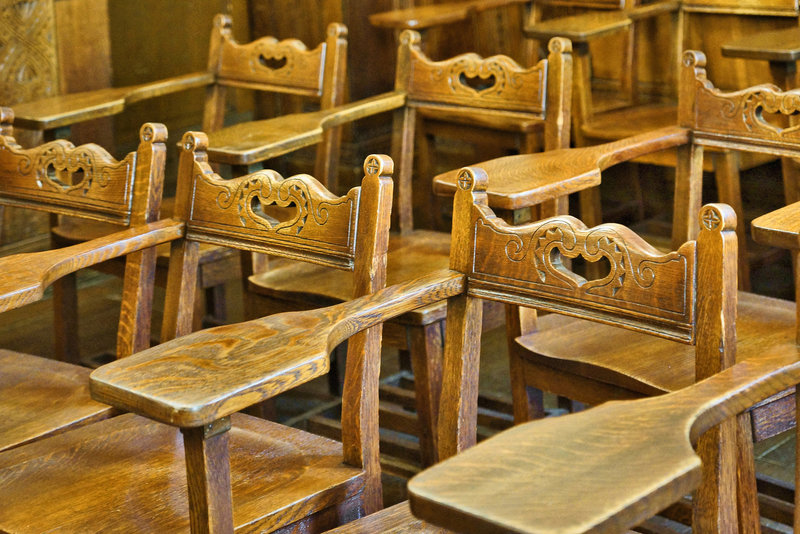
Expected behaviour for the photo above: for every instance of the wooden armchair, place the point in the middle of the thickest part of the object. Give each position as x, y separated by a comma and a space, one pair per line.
241, 471
40, 396
625, 461
267, 65
598, 365
599, 122
529, 101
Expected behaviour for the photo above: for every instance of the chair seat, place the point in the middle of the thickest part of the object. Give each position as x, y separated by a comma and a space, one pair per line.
57, 392
127, 474
410, 256
604, 353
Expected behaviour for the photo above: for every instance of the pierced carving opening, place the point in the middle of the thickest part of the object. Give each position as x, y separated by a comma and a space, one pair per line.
272, 63
272, 213
476, 82
588, 270
64, 178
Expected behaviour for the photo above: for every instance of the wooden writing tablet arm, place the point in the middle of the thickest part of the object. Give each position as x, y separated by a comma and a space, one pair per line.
605, 469
250, 142
199, 378
66, 110
529, 179
422, 17
26, 276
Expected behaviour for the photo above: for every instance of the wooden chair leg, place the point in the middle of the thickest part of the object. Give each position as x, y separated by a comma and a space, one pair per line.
714, 505
527, 402
726, 170
208, 476
746, 491
426, 363
65, 304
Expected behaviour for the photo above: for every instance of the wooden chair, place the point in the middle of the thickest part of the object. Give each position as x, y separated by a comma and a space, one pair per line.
626, 460
519, 100
599, 122
40, 396
259, 475
266, 64
598, 366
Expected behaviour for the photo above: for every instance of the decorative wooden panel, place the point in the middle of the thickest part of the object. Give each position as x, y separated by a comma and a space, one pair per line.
27, 51
59, 177
645, 289
497, 81
294, 214
272, 62
748, 115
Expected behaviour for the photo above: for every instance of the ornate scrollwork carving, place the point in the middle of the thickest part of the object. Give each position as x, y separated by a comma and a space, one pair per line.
751, 104
470, 74
556, 239
251, 194
55, 165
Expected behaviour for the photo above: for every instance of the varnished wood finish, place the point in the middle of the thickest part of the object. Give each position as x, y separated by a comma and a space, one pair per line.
421, 17
66, 110
777, 45
529, 179
526, 479
250, 142
82, 181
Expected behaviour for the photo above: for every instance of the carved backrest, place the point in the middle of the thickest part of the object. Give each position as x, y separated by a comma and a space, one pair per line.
645, 290
737, 119
286, 66
468, 81
494, 92
84, 181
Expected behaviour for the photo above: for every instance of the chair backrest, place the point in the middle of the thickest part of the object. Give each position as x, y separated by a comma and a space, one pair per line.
296, 218
755, 119
687, 295
285, 67
87, 182
494, 92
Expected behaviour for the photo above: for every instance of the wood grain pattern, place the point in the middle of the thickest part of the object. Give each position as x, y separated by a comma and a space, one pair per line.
529, 179
133, 471
65, 110
250, 361
606, 452
421, 17
250, 142
83, 181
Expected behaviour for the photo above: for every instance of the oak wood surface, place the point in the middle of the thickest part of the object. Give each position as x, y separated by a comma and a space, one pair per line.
526, 478
421, 17
250, 365
529, 179
778, 45
123, 459
65, 110
83, 181
779, 228
249, 142
580, 28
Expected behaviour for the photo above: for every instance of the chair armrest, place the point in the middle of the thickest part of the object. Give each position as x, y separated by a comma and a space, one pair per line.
525, 479
779, 228
580, 28
529, 179
654, 9
251, 142
65, 110
199, 378
26, 276
422, 17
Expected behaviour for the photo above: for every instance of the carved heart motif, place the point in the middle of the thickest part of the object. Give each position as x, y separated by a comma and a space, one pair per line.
273, 213
272, 63
477, 83
65, 179
578, 268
